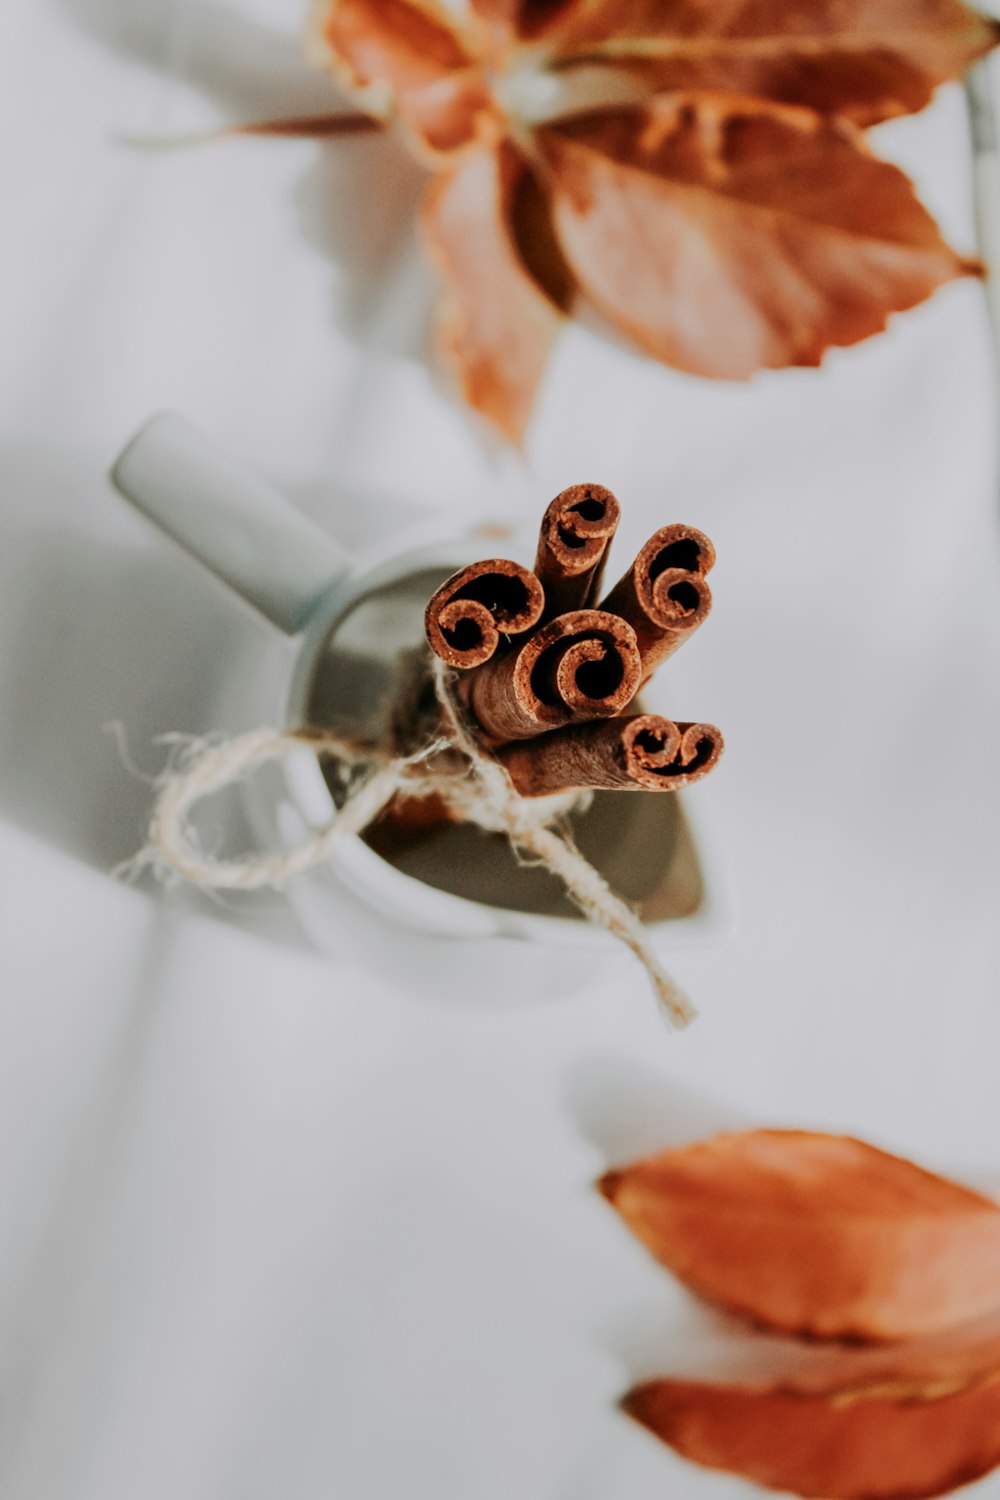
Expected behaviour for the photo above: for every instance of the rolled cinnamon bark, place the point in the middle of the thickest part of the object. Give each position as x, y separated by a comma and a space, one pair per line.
476, 606
573, 543
582, 665
643, 753
664, 595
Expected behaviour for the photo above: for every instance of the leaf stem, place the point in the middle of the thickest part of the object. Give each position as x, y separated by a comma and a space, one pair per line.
301, 127
313, 127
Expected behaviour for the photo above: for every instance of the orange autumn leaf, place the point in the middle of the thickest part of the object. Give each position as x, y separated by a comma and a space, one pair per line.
508, 21
726, 236
866, 60
730, 221
815, 1234
497, 324
835, 1445
409, 64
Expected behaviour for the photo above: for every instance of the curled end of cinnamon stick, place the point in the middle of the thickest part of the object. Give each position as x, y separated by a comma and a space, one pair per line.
664, 595
677, 600
468, 614
573, 543
669, 577
662, 756
644, 753
583, 665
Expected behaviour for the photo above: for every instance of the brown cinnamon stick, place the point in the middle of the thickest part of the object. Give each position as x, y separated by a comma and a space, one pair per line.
573, 543
664, 595
643, 753
476, 606
582, 665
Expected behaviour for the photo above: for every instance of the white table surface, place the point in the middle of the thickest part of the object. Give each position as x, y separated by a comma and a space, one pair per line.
278, 1225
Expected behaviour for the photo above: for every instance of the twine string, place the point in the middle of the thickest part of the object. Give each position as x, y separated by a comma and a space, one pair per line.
472, 784
510, 813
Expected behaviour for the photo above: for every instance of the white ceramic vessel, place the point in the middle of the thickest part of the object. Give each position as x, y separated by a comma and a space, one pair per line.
350, 618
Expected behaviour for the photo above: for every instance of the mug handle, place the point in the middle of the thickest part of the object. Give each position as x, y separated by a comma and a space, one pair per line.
230, 520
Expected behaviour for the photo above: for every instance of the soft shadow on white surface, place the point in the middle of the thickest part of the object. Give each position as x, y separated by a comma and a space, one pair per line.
358, 205
113, 627
627, 1111
249, 70
82, 1142
95, 632
96, 1113
114, 624
357, 202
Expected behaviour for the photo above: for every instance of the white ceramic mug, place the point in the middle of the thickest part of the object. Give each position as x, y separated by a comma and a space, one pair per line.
351, 617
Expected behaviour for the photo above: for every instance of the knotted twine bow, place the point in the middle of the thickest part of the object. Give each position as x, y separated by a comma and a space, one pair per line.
471, 783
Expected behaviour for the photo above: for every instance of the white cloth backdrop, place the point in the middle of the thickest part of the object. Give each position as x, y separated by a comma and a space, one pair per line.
273, 1224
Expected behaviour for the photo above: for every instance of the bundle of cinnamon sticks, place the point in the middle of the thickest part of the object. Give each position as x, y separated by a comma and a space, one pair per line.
546, 672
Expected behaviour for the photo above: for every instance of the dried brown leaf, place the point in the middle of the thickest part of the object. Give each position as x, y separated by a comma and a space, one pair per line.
534, 235
410, 62
498, 325
863, 59
728, 235
837, 1445
816, 1234
733, 221
522, 20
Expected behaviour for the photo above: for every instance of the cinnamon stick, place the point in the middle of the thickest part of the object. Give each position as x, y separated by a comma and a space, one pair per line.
573, 543
476, 606
582, 665
664, 595
642, 753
